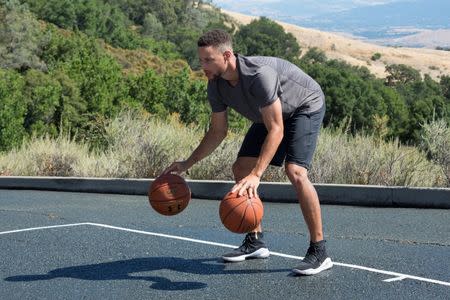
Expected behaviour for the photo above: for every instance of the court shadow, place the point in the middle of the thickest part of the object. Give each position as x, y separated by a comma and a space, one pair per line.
130, 269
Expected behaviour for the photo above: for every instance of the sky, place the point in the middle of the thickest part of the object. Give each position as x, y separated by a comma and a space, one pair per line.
302, 8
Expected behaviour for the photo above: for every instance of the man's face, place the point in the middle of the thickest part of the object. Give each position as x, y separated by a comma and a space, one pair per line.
213, 62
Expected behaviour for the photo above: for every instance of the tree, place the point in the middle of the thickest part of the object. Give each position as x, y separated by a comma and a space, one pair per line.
152, 27
186, 41
314, 55
425, 102
97, 75
178, 94
149, 90
355, 95
445, 86
21, 39
401, 74
103, 20
95, 17
42, 93
396, 111
62, 13
12, 109
197, 109
70, 113
265, 37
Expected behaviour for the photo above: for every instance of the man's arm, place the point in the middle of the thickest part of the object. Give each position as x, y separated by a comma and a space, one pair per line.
273, 120
214, 136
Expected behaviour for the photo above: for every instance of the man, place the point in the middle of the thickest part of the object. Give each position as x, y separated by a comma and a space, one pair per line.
287, 108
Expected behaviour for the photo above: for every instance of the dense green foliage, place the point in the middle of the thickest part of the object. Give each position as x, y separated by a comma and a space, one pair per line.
395, 107
61, 75
12, 109
66, 81
157, 25
265, 37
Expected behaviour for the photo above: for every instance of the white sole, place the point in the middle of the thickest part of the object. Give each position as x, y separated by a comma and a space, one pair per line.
327, 264
260, 253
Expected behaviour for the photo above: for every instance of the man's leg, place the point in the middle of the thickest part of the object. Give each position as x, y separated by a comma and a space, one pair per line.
302, 132
308, 199
316, 259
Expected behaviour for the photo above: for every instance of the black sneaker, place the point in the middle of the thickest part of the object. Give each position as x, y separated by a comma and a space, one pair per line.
253, 246
315, 261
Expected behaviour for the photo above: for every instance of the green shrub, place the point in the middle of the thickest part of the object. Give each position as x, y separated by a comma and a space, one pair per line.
376, 56
13, 108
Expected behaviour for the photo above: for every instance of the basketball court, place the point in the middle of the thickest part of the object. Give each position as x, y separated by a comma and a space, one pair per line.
58, 245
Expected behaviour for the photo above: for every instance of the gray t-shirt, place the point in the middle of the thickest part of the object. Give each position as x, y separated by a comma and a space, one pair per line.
262, 80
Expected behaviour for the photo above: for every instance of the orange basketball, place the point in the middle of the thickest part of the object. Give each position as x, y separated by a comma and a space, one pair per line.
240, 214
169, 194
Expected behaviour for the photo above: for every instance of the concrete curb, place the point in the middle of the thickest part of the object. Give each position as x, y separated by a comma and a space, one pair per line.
360, 195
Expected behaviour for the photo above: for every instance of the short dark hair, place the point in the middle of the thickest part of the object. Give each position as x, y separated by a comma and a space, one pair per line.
217, 38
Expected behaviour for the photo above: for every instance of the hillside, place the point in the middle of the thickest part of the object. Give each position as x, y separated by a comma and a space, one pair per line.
423, 38
359, 53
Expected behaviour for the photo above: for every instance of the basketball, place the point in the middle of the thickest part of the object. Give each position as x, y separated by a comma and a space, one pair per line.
240, 214
169, 194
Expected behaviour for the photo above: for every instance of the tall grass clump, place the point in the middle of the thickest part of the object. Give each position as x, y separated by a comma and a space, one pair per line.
436, 143
139, 146
344, 159
217, 166
45, 156
134, 145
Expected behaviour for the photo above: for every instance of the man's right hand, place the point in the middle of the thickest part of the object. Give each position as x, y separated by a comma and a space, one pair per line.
177, 167
215, 135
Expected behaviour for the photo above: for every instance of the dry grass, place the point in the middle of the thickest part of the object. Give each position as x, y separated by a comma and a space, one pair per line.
136, 62
364, 160
45, 156
140, 146
436, 142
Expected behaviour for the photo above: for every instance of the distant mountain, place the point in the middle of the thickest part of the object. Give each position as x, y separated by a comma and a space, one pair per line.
423, 39
413, 23
384, 21
359, 53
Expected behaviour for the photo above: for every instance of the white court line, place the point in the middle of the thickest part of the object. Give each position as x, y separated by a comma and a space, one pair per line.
394, 279
396, 276
44, 227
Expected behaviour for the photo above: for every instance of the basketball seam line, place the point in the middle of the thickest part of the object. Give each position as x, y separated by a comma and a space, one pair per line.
254, 216
243, 217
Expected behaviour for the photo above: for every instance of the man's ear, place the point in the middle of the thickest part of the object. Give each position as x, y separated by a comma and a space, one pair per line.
227, 54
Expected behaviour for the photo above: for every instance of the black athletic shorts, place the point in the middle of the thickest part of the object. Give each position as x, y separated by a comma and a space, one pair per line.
301, 132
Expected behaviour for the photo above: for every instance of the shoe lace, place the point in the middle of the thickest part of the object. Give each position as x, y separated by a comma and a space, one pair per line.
246, 243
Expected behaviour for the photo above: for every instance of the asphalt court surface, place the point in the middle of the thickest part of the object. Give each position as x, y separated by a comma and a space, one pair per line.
57, 245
